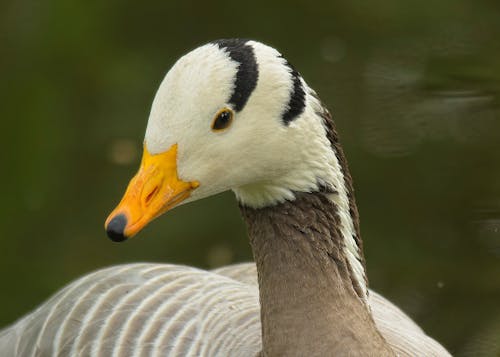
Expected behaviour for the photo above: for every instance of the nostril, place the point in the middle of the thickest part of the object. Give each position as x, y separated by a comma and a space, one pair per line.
150, 196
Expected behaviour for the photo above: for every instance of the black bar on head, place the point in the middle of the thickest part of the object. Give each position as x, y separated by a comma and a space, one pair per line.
297, 103
248, 70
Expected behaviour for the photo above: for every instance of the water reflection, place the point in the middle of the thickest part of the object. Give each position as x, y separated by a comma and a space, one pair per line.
411, 101
488, 232
123, 152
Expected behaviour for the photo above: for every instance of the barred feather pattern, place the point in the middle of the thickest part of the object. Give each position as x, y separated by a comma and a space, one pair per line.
142, 310
171, 310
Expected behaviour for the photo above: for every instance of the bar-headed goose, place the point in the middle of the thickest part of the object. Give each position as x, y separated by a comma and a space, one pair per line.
234, 115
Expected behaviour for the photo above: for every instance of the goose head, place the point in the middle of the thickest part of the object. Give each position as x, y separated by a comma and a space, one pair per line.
229, 115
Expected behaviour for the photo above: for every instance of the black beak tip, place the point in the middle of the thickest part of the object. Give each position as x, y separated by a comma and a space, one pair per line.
116, 228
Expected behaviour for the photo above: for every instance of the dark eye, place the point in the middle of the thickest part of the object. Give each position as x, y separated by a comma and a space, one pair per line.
222, 120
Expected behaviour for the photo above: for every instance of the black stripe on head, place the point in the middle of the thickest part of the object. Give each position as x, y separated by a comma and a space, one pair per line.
248, 71
297, 102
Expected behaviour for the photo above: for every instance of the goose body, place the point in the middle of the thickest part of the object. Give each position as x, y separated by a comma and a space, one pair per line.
234, 115
172, 310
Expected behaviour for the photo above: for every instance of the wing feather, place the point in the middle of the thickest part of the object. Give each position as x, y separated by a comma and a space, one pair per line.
144, 310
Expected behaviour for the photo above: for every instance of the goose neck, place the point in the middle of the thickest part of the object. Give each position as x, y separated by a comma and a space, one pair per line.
309, 304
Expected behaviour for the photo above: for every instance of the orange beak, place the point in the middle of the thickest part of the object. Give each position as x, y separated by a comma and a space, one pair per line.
155, 189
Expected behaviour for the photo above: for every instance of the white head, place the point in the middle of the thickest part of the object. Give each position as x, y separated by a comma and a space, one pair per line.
234, 115
270, 142
276, 143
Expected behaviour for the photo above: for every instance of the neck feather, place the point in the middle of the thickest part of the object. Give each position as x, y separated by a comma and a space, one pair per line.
322, 167
345, 202
309, 304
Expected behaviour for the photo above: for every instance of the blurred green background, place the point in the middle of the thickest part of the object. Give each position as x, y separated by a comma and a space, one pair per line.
414, 87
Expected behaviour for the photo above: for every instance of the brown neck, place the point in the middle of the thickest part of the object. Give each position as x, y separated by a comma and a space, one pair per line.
309, 306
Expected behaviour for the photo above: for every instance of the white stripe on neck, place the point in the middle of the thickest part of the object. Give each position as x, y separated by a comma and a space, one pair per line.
340, 198
317, 166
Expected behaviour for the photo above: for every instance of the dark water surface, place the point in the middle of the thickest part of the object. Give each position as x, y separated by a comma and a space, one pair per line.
415, 91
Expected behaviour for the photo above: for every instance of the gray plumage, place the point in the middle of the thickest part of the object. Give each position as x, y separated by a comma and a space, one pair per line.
162, 310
